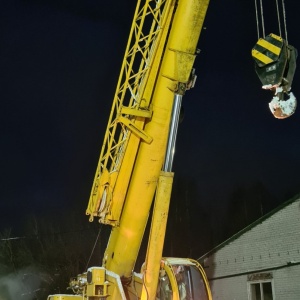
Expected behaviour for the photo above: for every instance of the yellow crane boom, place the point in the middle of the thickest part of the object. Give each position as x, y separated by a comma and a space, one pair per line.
136, 159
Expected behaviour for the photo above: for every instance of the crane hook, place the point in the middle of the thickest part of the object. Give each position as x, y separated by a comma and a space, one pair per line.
275, 65
283, 108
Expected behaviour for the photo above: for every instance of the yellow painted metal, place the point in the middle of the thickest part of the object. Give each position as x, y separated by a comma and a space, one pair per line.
276, 37
134, 92
203, 276
265, 44
136, 130
125, 239
136, 112
103, 284
267, 50
261, 57
157, 235
135, 142
65, 297
168, 262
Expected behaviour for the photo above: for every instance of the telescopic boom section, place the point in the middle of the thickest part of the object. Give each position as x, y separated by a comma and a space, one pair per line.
124, 188
175, 70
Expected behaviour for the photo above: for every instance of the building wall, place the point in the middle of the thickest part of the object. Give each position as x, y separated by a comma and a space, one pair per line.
234, 288
287, 283
270, 248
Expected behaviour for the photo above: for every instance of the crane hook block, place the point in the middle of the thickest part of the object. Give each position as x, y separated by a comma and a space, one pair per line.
275, 62
275, 65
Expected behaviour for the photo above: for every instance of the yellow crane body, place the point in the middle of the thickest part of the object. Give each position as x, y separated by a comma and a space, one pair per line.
157, 69
175, 70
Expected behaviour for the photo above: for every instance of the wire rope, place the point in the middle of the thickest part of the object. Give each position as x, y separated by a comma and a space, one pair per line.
284, 20
278, 17
93, 247
257, 22
262, 19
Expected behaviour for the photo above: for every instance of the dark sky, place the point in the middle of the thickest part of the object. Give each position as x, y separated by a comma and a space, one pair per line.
59, 64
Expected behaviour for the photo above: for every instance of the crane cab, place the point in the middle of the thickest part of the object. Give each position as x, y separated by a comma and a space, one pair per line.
182, 279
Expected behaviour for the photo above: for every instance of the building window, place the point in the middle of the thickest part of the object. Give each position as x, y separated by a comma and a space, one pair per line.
261, 290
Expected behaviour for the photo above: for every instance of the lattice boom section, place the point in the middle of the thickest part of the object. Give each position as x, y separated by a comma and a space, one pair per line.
147, 25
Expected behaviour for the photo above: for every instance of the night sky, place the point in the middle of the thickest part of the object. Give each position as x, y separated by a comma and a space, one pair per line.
59, 65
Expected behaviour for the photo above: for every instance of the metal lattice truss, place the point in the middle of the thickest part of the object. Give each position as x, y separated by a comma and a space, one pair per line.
131, 98
132, 101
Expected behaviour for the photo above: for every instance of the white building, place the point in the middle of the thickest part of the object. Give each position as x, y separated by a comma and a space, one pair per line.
261, 262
